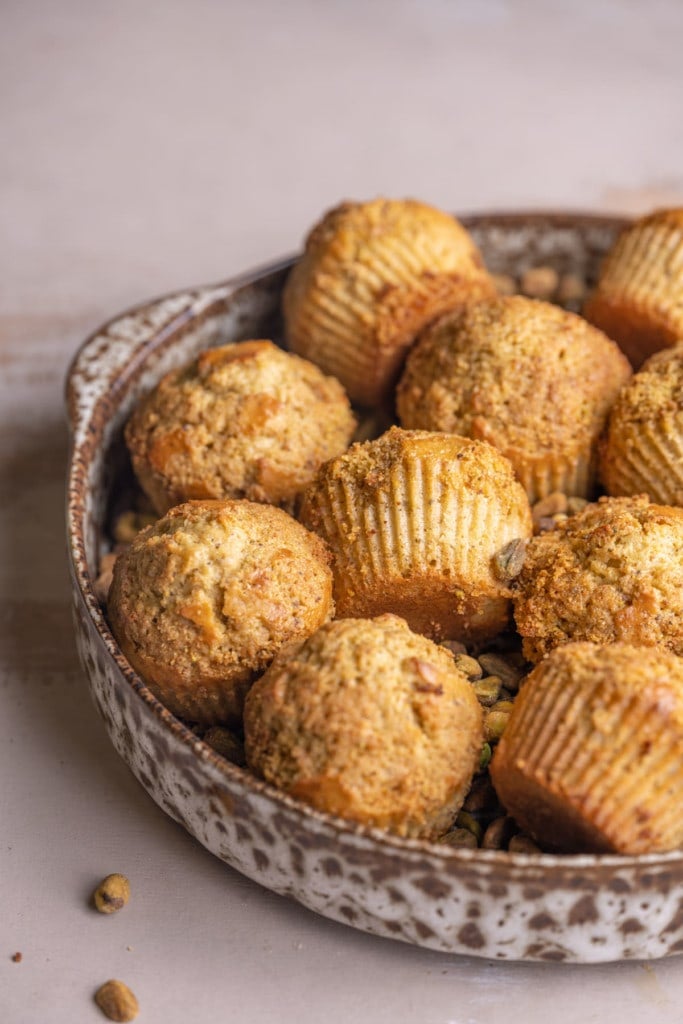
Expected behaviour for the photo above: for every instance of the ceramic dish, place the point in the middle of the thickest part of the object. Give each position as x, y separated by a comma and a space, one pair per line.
495, 904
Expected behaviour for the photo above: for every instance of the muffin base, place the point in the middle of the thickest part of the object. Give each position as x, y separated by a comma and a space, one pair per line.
436, 606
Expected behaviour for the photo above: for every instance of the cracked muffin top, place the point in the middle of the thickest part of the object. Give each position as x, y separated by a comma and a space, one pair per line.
368, 721
530, 378
204, 599
372, 276
241, 421
613, 572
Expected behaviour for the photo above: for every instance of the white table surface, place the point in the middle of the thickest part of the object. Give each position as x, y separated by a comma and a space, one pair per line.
149, 145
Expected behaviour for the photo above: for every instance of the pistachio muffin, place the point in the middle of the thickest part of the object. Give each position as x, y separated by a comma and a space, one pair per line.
241, 421
611, 573
642, 451
368, 721
203, 600
372, 275
414, 521
638, 299
533, 380
592, 756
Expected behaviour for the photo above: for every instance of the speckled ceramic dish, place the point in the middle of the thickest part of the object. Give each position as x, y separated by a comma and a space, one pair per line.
486, 903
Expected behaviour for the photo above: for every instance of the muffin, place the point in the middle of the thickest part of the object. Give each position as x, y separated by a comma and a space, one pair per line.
414, 521
372, 275
613, 572
370, 722
204, 599
638, 299
592, 756
531, 379
642, 451
240, 421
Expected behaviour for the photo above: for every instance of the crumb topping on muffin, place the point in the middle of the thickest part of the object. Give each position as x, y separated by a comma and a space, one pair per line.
530, 378
613, 572
204, 599
369, 721
241, 421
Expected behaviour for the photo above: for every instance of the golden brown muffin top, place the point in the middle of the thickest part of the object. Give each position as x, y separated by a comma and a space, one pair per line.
241, 421
613, 572
370, 721
349, 228
654, 392
522, 374
214, 589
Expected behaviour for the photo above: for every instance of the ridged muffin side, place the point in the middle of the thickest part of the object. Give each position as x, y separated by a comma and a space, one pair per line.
591, 759
414, 521
642, 451
638, 299
372, 275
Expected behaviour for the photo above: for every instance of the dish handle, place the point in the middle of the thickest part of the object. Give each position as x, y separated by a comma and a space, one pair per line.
109, 355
